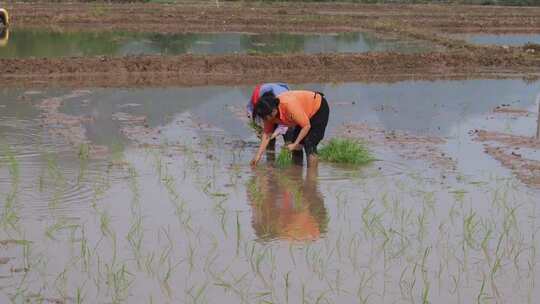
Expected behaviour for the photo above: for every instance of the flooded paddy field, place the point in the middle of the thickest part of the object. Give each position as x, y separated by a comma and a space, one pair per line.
146, 195
194, 43
502, 39
50, 44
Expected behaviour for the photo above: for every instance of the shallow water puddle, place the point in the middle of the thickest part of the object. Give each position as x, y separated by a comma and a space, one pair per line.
502, 39
31, 43
145, 195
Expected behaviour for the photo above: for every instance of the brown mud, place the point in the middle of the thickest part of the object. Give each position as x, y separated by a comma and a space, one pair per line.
526, 170
511, 111
264, 17
505, 149
510, 140
241, 69
409, 146
135, 127
69, 127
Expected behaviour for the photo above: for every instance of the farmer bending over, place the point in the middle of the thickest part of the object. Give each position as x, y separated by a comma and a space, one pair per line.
305, 112
258, 92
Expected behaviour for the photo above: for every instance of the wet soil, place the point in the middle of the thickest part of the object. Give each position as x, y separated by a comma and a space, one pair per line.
259, 17
511, 111
426, 148
505, 148
507, 139
69, 127
237, 69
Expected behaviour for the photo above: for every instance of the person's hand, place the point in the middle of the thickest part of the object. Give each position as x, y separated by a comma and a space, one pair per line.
293, 147
254, 161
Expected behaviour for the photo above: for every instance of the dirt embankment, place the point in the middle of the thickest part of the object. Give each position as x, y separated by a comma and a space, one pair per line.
235, 69
263, 17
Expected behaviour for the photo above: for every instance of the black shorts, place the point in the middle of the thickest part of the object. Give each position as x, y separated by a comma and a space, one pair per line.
318, 124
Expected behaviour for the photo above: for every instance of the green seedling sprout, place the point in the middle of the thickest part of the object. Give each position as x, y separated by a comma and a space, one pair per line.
255, 127
345, 151
284, 158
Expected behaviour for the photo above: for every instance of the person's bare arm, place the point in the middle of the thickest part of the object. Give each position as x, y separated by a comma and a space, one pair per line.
264, 143
303, 132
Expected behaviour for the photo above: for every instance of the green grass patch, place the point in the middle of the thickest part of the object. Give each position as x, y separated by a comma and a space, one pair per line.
284, 158
345, 151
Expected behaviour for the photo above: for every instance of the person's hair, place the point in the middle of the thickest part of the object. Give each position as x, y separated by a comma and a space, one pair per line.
266, 104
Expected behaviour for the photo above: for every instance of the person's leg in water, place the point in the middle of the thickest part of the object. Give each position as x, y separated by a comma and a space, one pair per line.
289, 137
316, 133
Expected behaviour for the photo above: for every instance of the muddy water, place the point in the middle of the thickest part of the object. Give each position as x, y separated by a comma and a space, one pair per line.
503, 39
31, 43
145, 195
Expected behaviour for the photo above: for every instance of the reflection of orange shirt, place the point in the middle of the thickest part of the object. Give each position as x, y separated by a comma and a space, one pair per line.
301, 226
297, 225
295, 108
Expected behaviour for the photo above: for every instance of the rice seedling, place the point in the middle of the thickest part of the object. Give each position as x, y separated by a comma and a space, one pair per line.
62, 224
105, 224
79, 297
255, 191
119, 281
345, 151
84, 155
255, 127
238, 233
135, 235
9, 215
197, 293
284, 158
86, 253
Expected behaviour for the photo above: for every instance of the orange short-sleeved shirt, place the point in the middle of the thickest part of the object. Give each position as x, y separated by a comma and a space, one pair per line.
295, 108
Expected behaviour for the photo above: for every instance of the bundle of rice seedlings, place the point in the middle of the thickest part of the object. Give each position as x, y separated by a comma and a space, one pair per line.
284, 158
345, 151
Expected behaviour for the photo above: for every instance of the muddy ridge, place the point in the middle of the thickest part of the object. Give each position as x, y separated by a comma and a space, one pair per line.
261, 17
236, 69
505, 148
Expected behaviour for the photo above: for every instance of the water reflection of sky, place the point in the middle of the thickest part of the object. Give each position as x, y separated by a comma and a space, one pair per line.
504, 39
32, 43
435, 107
446, 108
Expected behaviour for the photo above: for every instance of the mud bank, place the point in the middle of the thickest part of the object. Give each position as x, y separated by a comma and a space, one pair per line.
236, 69
261, 17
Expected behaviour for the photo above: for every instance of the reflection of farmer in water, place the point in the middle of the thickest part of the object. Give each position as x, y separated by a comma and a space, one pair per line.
4, 18
285, 206
4, 36
538, 121
257, 123
304, 112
